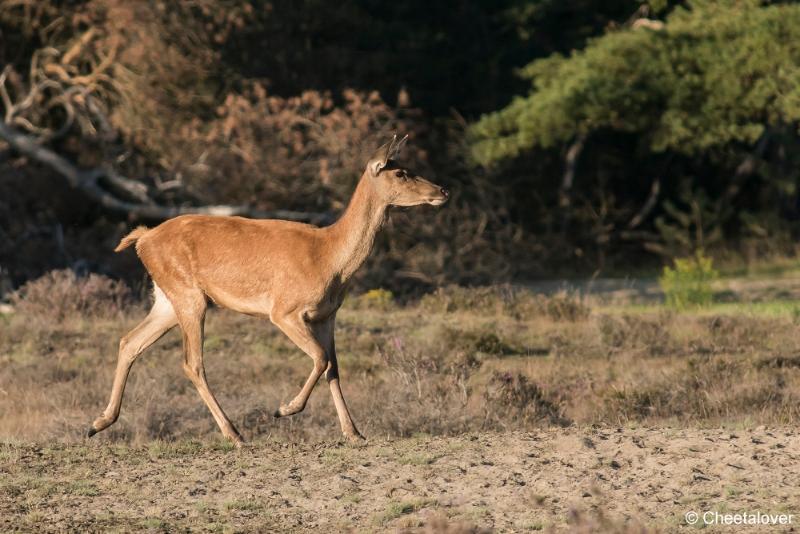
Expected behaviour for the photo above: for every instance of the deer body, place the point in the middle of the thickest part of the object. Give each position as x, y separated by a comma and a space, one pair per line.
292, 273
315, 262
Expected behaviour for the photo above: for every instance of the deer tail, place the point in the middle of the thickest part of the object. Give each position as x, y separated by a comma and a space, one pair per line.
131, 238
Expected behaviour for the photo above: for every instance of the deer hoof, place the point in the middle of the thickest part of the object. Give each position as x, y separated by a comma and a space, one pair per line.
355, 438
285, 410
92, 431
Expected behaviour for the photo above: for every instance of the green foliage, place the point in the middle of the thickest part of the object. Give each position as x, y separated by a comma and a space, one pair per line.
716, 73
374, 299
688, 284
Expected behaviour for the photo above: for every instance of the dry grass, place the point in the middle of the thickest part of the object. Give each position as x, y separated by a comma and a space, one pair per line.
547, 408
459, 361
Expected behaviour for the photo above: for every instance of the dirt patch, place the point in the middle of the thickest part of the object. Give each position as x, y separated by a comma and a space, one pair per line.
581, 480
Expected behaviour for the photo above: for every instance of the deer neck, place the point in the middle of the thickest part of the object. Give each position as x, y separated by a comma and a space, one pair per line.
353, 235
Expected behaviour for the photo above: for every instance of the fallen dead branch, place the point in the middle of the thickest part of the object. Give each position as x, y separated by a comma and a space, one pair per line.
141, 205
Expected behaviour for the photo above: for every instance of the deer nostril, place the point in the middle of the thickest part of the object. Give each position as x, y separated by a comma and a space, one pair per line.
445, 192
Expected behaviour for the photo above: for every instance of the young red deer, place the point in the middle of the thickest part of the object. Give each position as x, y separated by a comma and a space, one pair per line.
295, 274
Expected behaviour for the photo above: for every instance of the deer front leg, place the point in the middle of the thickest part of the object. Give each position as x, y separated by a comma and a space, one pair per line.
332, 375
311, 339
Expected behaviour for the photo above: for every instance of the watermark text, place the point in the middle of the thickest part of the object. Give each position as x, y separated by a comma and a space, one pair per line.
711, 517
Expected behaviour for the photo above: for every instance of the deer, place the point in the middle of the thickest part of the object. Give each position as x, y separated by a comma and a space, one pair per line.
294, 274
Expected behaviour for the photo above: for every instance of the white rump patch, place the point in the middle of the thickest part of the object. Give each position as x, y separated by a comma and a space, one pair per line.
161, 304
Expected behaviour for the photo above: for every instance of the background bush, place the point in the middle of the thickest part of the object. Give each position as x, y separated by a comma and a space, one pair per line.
578, 138
689, 282
61, 295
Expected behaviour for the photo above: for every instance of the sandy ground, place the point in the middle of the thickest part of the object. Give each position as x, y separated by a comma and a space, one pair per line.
592, 479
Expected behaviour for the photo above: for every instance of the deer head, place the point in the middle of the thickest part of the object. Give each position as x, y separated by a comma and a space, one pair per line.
397, 185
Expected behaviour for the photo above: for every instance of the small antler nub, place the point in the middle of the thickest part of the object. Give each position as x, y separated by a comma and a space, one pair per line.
399, 146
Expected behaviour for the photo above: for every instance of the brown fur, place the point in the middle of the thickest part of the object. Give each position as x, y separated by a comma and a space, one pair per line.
294, 274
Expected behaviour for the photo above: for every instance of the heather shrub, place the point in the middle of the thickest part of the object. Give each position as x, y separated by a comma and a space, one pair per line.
516, 393
561, 306
736, 334
452, 298
62, 294
505, 300
649, 334
483, 340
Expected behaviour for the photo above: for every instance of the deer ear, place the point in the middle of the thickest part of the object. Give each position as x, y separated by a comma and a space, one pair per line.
381, 157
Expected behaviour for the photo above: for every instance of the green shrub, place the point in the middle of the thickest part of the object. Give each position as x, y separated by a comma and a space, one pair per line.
374, 299
688, 283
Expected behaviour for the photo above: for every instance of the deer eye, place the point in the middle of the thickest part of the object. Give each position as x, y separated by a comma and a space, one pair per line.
401, 174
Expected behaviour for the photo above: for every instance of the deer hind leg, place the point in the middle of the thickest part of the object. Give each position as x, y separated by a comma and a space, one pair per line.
311, 339
158, 322
191, 310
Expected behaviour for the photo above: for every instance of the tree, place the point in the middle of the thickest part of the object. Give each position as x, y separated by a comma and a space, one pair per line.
716, 73
717, 82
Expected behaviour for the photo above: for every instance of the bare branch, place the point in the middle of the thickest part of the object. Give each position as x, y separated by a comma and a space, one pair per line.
134, 189
76, 48
648, 205
570, 166
3, 91
650, 24
746, 167
26, 145
88, 181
